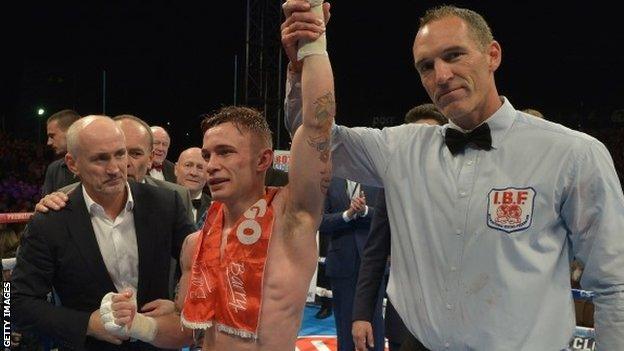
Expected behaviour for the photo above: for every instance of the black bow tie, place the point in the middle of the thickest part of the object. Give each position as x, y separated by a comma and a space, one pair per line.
196, 203
456, 141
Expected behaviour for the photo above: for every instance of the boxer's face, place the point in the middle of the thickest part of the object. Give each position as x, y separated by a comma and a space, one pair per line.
229, 154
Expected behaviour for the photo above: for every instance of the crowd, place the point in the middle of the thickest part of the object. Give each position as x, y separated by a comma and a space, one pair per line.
22, 166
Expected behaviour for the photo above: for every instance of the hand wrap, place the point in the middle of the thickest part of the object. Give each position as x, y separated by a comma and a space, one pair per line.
318, 46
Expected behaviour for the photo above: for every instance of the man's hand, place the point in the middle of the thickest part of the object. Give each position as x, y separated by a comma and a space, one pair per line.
117, 311
53, 201
158, 307
359, 204
119, 314
96, 330
300, 23
352, 211
362, 332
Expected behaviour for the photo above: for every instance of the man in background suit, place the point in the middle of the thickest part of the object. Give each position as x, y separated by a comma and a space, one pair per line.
190, 171
57, 175
346, 221
162, 168
111, 235
139, 141
373, 266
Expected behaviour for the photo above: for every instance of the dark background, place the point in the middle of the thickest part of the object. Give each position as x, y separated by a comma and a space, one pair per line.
169, 62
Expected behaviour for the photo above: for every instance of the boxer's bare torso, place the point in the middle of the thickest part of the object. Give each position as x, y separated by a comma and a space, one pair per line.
291, 262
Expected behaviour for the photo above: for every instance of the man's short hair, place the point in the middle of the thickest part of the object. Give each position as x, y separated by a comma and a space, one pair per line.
159, 127
142, 123
481, 31
244, 118
533, 112
425, 111
64, 118
73, 141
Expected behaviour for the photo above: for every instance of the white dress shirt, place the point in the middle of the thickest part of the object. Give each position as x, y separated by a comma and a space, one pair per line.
157, 174
117, 241
471, 274
198, 197
353, 191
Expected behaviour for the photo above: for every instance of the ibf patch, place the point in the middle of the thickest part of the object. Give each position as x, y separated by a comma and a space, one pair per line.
510, 209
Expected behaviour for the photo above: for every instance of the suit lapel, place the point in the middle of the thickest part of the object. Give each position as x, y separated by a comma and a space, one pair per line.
343, 198
205, 202
149, 180
371, 194
143, 236
168, 171
81, 231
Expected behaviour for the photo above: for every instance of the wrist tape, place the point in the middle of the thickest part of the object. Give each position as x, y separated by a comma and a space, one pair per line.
318, 46
106, 314
143, 328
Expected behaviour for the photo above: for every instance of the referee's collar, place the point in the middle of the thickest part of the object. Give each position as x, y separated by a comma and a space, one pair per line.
500, 123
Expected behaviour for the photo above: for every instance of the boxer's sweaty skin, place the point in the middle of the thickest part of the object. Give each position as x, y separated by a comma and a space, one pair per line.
291, 262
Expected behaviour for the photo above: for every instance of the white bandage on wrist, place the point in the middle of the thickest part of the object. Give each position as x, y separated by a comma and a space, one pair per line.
318, 46
106, 313
143, 328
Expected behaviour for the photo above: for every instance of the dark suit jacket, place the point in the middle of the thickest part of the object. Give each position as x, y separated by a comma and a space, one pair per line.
205, 202
59, 249
185, 196
371, 275
168, 171
57, 175
182, 192
347, 238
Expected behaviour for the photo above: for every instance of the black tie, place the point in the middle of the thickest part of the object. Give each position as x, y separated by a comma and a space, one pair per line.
456, 141
196, 203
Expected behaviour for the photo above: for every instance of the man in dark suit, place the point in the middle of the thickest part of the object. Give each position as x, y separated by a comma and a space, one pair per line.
110, 236
190, 171
139, 145
373, 266
162, 168
346, 221
57, 175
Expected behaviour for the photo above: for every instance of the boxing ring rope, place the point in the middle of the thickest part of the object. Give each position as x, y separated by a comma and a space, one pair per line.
583, 295
17, 217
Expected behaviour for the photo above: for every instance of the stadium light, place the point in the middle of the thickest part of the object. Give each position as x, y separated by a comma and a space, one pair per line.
40, 111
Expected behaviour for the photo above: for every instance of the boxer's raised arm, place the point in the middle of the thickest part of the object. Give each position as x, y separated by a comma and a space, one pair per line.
310, 168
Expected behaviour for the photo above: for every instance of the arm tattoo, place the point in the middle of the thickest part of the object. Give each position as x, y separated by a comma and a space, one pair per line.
321, 144
325, 108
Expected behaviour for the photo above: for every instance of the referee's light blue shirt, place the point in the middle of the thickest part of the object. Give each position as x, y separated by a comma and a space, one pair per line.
482, 241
